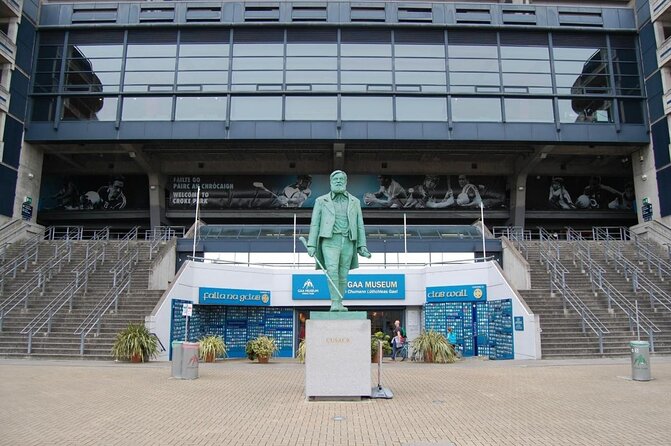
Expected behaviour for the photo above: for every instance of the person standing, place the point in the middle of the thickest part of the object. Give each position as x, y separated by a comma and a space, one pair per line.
337, 235
397, 340
452, 339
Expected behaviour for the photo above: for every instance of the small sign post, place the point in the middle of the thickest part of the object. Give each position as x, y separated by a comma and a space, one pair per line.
187, 311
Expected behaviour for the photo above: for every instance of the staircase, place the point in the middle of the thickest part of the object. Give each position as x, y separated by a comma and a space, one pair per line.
61, 343
562, 334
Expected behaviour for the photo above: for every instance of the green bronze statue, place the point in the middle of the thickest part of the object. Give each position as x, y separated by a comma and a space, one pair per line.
336, 236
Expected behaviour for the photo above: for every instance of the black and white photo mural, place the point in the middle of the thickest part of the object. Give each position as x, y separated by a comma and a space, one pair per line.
580, 193
374, 191
90, 192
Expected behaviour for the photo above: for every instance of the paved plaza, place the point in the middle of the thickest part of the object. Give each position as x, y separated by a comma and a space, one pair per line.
237, 402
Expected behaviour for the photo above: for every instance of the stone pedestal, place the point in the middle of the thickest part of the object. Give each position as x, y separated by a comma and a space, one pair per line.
337, 356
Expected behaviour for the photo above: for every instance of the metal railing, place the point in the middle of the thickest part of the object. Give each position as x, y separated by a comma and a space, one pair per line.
558, 284
516, 232
121, 283
582, 257
610, 233
9, 230
66, 296
518, 236
160, 235
645, 252
639, 281
38, 282
125, 243
164, 232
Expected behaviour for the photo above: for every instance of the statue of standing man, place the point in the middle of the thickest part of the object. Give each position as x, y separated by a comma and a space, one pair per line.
337, 235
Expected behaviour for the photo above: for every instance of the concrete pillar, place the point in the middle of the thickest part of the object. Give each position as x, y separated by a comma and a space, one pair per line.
157, 199
29, 179
518, 200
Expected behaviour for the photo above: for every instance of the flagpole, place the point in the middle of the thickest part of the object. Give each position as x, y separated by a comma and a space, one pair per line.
195, 228
482, 219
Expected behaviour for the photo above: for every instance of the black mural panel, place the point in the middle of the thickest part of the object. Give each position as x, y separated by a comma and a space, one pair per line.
580, 193
300, 191
89, 192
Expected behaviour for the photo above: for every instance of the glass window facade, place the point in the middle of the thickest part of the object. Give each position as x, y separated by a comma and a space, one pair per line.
327, 74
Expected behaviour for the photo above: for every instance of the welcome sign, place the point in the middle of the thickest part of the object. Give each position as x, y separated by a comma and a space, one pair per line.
359, 286
458, 293
232, 296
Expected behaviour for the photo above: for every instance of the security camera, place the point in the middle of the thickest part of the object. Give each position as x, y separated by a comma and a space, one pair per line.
644, 177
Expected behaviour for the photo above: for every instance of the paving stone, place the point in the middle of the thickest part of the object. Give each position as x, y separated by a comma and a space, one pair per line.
237, 402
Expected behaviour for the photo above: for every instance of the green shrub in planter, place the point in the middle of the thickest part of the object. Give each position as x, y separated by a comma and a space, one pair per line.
134, 343
211, 348
301, 351
375, 345
434, 347
263, 348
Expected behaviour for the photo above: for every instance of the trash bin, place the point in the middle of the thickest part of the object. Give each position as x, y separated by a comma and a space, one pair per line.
176, 364
640, 360
190, 360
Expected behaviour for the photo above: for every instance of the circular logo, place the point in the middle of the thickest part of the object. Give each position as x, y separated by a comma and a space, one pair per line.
477, 293
265, 298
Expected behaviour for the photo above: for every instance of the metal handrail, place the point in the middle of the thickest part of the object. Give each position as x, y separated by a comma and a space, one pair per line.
123, 266
160, 234
558, 284
547, 242
45, 317
9, 230
93, 320
610, 233
64, 232
632, 272
645, 250
596, 275
519, 237
125, 242
101, 234
41, 276
517, 232
164, 232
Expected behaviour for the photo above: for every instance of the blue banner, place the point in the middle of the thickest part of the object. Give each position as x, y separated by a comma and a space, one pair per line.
359, 286
231, 296
458, 293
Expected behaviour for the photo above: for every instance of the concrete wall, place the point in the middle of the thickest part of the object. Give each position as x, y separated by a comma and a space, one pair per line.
163, 268
515, 267
278, 281
29, 178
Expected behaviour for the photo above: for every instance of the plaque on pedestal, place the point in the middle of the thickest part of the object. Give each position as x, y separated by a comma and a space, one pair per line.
337, 356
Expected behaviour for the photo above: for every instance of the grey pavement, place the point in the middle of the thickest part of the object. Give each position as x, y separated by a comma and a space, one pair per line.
237, 402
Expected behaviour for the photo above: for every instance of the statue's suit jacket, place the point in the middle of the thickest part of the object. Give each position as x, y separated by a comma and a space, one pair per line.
323, 220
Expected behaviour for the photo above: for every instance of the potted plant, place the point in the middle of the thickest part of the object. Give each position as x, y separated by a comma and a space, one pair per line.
211, 348
433, 347
135, 344
249, 350
263, 348
375, 346
301, 352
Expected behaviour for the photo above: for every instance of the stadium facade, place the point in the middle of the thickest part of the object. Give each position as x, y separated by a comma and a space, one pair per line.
547, 113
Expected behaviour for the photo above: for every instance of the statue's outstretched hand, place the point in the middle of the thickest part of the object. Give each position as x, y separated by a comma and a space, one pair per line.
311, 251
363, 252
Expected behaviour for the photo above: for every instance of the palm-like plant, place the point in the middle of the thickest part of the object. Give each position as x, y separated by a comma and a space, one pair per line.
375, 344
135, 343
434, 347
212, 347
301, 352
263, 348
